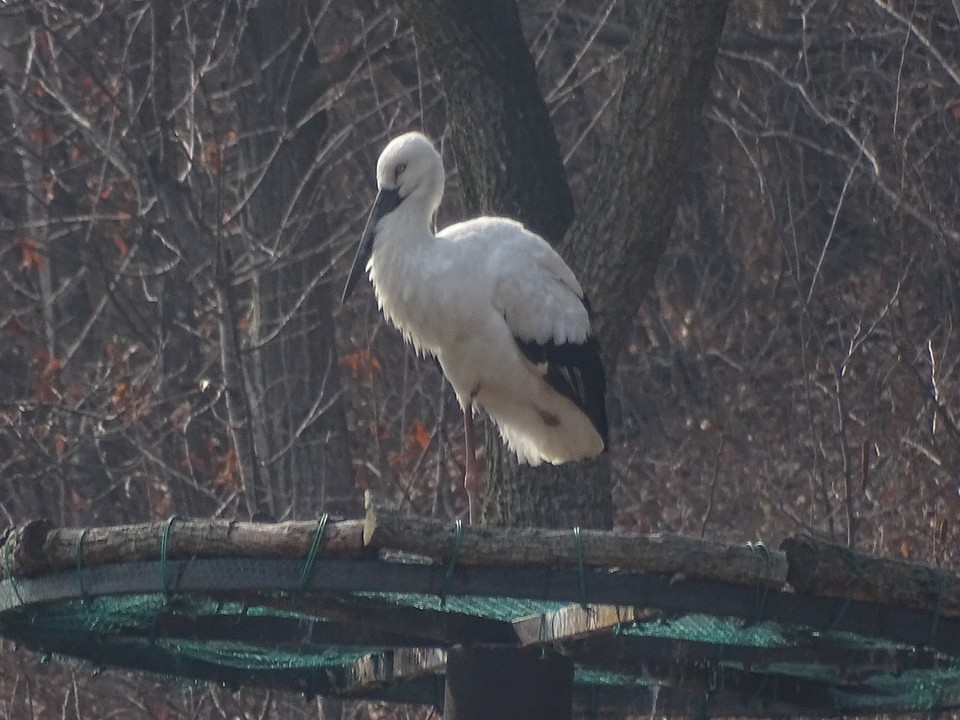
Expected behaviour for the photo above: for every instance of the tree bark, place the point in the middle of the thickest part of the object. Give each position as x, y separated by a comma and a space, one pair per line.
297, 418
618, 239
510, 164
824, 569
37, 547
675, 555
509, 160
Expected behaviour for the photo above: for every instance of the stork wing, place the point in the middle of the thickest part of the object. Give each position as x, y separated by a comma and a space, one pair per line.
545, 309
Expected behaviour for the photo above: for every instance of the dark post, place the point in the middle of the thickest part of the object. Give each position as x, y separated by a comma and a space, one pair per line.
492, 683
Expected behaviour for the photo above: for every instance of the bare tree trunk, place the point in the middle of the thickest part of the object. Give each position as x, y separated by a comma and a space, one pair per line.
510, 164
298, 417
32, 212
617, 241
236, 392
509, 160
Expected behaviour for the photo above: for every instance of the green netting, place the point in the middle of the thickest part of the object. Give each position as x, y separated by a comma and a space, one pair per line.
129, 623
493, 608
586, 676
861, 685
921, 691
243, 656
283, 638
706, 628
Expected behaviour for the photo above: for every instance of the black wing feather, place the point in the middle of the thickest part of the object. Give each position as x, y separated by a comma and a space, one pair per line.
575, 371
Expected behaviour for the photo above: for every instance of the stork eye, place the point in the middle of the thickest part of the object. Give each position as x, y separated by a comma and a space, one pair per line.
398, 170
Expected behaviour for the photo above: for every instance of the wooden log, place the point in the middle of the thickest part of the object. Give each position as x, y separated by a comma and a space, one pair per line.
823, 569
38, 547
683, 557
23, 547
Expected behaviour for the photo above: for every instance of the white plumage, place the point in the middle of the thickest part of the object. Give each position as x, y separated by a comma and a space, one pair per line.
496, 305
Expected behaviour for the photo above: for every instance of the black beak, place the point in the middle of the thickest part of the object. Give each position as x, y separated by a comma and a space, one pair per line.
387, 201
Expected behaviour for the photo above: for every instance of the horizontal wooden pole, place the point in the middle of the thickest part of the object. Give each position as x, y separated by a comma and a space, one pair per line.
683, 557
37, 547
827, 570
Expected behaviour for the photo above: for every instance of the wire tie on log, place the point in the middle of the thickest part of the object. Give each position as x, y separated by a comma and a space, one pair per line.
6, 566
81, 574
164, 546
938, 611
312, 554
763, 586
840, 613
581, 571
455, 545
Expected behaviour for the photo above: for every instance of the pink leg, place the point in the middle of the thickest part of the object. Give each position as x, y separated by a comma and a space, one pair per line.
471, 478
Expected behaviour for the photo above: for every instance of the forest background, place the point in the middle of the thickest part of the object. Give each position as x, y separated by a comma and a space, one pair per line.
181, 188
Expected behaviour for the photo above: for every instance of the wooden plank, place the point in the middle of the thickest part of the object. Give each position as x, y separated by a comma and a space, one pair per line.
430, 626
37, 547
826, 570
386, 668
674, 555
259, 580
574, 622
274, 631
486, 683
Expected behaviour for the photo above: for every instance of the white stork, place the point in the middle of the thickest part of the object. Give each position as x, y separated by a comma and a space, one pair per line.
495, 304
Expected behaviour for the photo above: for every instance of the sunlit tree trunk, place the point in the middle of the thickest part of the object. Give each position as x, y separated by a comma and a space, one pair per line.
291, 368
510, 164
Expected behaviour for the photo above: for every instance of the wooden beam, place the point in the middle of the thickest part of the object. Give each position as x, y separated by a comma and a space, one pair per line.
681, 557
485, 683
826, 570
386, 668
253, 579
629, 653
431, 626
275, 631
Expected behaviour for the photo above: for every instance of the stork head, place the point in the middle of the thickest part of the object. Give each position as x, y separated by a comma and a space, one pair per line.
410, 178
412, 168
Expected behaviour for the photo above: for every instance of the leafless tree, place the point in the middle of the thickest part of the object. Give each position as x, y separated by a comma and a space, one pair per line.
180, 183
